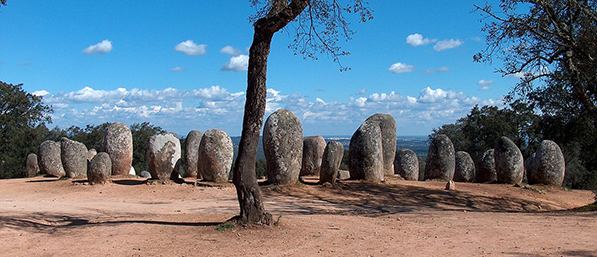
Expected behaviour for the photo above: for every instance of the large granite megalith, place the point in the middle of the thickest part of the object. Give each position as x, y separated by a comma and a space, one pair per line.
509, 163
548, 166
74, 158
163, 155
118, 143
313, 148
49, 159
191, 153
215, 156
441, 159
283, 147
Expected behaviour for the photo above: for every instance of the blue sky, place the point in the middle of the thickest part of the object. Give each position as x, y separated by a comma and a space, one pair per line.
181, 65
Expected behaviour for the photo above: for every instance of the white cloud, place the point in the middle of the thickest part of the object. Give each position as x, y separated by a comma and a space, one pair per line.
362, 91
237, 63
401, 68
418, 40
230, 50
447, 44
485, 84
442, 69
178, 69
190, 48
40, 93
103, 47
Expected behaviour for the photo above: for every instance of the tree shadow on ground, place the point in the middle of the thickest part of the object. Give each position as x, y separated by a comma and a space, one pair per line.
365, 198
52, 224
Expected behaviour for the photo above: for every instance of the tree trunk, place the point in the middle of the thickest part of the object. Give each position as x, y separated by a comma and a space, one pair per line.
247, 189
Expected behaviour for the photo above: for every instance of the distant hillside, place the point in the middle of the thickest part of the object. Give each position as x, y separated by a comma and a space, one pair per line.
418, 144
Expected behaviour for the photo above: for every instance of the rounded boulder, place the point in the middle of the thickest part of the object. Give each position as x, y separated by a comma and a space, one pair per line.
118, 143
163, 153
31, 165
215, 156
191, 153
464, 170
100, 169
509, 163
548, 167
486, 172
330, 163
283, 147
313, 148
372, 148
406, 164
49, 159
440, 163
74, 158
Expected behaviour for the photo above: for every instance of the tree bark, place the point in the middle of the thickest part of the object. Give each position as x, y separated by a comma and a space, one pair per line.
247, 189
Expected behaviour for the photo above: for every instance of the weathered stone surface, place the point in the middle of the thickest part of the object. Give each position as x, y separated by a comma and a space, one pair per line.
450, 185
74, 158
118, 143
313, 148
406, 164
215, 156
49, 159
330, 164
191, 153
31, 165
548, 167
163, 152
90, 154
464, 170
283, 147
372, 148
100, 169
486, 172
343, 175
145, 174
441, 160
509, 163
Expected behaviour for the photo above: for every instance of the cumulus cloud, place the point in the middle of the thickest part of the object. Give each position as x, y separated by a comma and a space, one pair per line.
103, 47
442, 69
401, 68
215, 107
447, 44
190, 48
485, 84
230, 50
237, 63
178, 69
362, 91
418, 40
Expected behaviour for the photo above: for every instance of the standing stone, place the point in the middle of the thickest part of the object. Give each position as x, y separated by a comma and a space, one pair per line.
464, 170
90, 154
49, 159
406, 164
31, 165
330, 164
509, 163
372, 148
74, 158
132, 171
486, 172
163, 152
215, 156
549, 166
441, 160
100, 169
145, 174
118, 142
191, 153
313, 148
283, 147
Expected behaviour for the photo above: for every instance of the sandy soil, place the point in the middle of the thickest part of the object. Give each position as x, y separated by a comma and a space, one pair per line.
48, 217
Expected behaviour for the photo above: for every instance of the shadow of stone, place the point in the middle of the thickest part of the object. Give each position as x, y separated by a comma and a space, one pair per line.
128, 182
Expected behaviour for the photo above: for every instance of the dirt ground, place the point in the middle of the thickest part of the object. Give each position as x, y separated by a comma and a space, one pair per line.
48, 217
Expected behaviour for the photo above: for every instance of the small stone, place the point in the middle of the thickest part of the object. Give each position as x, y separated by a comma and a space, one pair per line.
100, 169
330, 165
31, 165
450, 185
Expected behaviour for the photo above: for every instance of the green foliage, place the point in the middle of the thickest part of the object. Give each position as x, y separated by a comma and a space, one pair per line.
225, 226
344, 163
22, 119
141, 134
260, 168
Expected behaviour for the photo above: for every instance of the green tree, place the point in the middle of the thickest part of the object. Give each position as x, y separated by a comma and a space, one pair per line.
318, 30
552, 44
22, 119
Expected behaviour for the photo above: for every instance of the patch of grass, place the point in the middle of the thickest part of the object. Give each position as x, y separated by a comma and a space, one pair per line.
225, 226
590, 207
